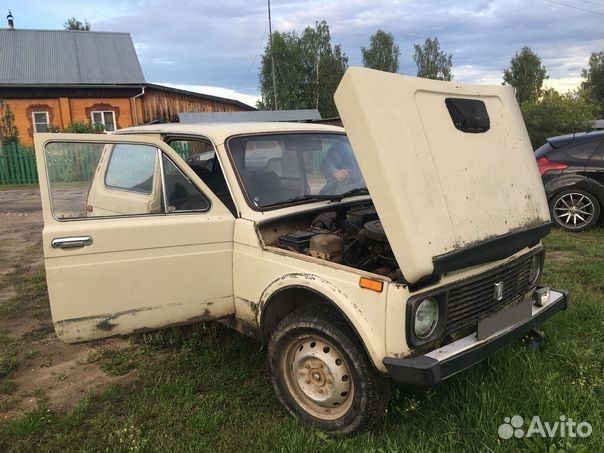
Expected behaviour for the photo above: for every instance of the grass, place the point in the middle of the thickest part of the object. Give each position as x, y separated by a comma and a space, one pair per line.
117, 361
28, 283
8, 357
18, 186
206, 388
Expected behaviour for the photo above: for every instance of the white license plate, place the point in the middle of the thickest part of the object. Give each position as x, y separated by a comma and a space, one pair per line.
506, 317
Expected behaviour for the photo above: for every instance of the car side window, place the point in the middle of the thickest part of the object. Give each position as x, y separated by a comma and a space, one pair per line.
598, 155
582, 151
95, 180
131, 167
200, 155
92, 180
181, 194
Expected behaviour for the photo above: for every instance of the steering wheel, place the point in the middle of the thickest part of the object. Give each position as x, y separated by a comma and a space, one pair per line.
334, 187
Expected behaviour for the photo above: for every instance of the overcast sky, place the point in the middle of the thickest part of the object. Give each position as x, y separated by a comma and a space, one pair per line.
215, 46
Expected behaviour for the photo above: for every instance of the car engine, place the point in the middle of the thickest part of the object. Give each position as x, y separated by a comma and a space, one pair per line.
353, 237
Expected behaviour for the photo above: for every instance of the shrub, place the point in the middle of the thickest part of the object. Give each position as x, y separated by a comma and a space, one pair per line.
8, 130
556, 114
83, 127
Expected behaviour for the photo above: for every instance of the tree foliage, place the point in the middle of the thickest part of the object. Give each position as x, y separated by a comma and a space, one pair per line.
8, 129
382, 53
432, 63
308, 69
526, 75
74, 24
555, 114
592, 86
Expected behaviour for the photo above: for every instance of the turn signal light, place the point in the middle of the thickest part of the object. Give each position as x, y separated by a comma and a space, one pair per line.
373, 285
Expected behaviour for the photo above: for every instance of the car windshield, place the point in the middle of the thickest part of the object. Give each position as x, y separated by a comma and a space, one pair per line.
285, 168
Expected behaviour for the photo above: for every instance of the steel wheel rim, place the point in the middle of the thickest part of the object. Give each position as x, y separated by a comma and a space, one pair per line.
574, 210
318, 377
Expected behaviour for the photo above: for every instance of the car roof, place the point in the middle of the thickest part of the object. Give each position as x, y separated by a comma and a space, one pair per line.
576, 138
219, 132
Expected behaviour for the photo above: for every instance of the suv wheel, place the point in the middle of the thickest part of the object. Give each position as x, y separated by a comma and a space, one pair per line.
322, 375
574, 210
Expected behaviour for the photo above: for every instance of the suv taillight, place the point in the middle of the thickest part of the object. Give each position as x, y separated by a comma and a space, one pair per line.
546, 165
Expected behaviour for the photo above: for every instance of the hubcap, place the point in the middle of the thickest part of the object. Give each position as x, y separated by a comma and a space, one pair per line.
318, 377
574, 210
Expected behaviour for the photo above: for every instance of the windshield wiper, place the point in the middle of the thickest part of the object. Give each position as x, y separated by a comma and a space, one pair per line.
348, 193
293, 200
332, 197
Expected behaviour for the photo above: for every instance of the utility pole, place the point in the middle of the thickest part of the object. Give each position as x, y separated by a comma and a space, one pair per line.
270, 34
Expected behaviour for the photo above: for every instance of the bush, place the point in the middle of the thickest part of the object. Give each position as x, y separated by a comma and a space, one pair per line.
83, 127
556, 114
8, 130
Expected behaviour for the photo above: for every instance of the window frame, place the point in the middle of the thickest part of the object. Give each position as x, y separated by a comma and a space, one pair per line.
102, 112
220, 161
239, 177
162, 173
165, 212
35, 124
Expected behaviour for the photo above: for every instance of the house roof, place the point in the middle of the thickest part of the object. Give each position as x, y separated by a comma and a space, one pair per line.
67, 57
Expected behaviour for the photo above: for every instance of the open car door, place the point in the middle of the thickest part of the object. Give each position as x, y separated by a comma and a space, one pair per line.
133, 239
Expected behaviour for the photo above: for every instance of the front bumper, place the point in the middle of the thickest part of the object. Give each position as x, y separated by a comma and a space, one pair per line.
431, 368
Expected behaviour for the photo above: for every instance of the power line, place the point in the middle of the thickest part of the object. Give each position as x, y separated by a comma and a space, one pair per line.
254, 60
576, 7
590, 2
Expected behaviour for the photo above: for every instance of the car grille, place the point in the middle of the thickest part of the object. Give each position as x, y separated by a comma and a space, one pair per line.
474, 299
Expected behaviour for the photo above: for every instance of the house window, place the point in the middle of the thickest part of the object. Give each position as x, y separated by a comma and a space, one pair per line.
107, 119
41, 121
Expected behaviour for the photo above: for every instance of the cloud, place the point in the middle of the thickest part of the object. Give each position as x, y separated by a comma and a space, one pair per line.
213, 44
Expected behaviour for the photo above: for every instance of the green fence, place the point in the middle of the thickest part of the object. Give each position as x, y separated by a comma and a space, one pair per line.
17, 165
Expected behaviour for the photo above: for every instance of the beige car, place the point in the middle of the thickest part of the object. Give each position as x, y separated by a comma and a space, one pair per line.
406, 249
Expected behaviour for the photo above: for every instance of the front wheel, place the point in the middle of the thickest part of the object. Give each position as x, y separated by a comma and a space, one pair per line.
322, 375
574, 210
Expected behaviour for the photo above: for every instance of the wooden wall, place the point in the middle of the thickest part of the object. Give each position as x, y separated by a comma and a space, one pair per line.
63, 111
164, 106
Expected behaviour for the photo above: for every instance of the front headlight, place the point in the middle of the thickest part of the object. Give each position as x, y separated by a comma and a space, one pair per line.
426, 318
536, 267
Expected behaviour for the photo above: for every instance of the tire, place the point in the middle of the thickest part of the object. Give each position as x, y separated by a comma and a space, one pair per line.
322, 375
574, 210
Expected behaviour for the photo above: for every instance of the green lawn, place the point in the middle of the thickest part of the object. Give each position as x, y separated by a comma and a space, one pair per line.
206, 388
18, 186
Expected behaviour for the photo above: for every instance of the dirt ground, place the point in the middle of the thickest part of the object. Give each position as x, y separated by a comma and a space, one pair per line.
35, 366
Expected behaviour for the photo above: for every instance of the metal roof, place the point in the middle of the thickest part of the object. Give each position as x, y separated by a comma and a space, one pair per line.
259, 115
66, 57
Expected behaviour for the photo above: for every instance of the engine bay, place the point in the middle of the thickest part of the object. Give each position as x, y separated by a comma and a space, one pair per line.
349, 235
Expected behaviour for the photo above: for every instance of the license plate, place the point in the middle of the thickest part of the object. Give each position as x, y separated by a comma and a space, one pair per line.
504, 318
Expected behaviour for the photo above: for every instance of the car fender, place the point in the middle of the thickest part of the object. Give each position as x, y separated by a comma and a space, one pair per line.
575, 181
371, 340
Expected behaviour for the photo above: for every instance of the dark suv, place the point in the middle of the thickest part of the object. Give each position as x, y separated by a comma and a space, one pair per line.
572, 169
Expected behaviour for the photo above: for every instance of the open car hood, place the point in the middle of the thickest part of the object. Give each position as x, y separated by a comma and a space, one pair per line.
449, 166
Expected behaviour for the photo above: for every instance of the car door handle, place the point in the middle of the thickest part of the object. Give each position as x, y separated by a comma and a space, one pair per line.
71, 242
